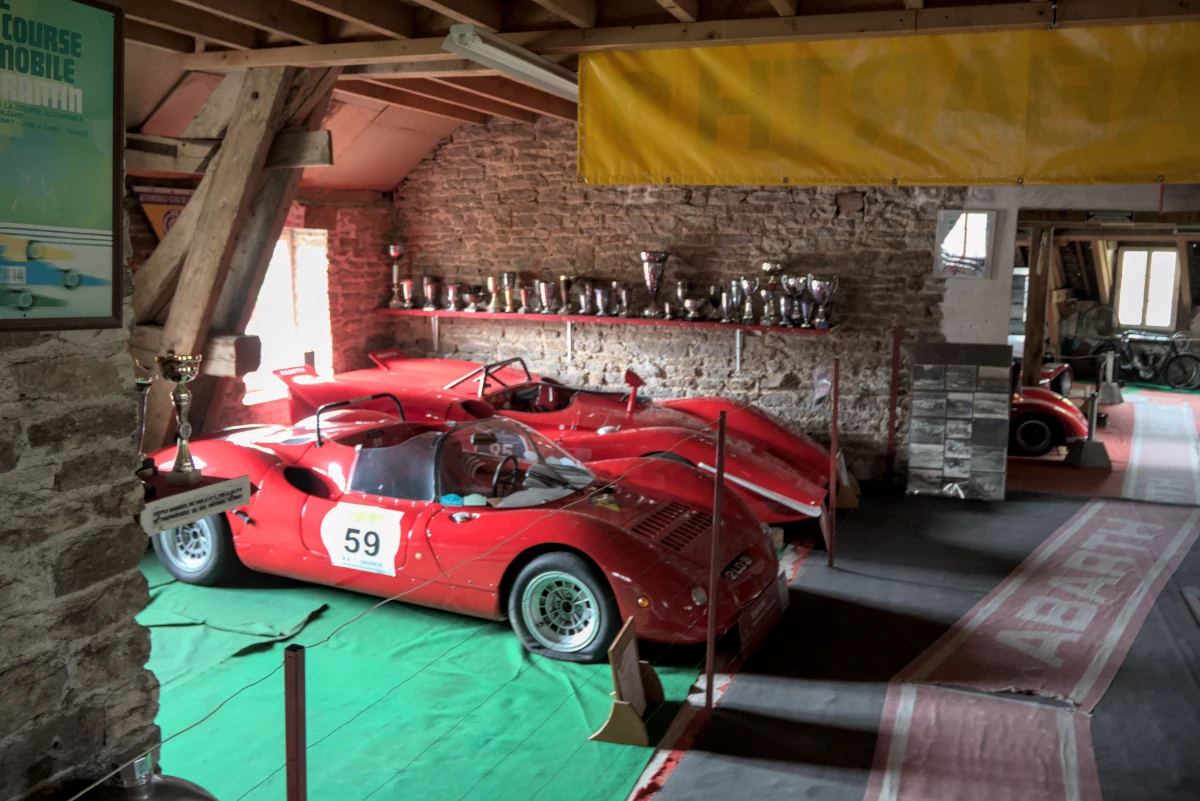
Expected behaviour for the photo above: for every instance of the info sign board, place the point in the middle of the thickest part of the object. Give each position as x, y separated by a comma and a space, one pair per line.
61, 146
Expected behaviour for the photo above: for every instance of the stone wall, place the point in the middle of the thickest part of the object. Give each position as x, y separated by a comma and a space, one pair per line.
74, 693
506, 196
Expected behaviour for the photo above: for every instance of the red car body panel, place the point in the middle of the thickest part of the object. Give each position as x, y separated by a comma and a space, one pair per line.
1031, 400
651, 538
781, 475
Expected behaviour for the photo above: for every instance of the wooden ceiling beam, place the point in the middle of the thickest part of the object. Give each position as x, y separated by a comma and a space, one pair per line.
390, 18
399, 97
966, 19
190, 22
158, 38
279, 17
581, 13
487, 14
682, 10
460, 68
517, 94
787, 8
461, 97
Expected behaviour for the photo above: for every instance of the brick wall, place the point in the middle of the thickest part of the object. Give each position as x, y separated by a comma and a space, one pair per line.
73, 688
506, 196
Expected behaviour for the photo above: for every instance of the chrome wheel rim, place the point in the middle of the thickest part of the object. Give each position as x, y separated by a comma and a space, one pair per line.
1033, 435
189, 547
560, 612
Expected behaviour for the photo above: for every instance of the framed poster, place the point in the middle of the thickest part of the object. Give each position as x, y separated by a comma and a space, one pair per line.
61, 161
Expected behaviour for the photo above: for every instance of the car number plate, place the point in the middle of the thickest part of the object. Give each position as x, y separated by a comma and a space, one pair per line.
737, 567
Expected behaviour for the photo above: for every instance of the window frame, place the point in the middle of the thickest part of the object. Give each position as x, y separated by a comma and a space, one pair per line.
1149, 250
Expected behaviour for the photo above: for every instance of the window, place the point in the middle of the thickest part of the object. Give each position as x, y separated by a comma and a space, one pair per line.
291, 313
964, 243
1147, 287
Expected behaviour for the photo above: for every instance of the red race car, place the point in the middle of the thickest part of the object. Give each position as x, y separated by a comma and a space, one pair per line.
1042, 419
486, 518
781, 475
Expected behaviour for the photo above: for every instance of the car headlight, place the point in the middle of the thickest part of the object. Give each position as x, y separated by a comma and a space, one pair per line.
699, 596
1066, 384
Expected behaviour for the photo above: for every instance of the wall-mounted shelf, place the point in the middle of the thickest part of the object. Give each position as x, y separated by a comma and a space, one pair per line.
738, 329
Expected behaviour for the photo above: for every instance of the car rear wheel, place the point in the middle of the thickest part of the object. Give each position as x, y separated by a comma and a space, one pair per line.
1034, 435
200, 552
561, 607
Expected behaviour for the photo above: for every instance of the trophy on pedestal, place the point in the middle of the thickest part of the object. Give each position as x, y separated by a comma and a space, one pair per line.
528, 301
430, 288
396, 251
545, 291
473, 295
493, 288
624, 299
822, 292
407, 292
768, 307
728, 305
786, 304
603, 296
143, 377
180, 370
586, 295
453, 293
653, 265
772, 269
508, 285
564, 290
795, 287
748, 286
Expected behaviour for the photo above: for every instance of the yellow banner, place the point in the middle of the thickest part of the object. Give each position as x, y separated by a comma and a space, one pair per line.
1078, 106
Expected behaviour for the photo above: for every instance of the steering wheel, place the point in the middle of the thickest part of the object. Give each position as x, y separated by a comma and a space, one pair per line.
510, 480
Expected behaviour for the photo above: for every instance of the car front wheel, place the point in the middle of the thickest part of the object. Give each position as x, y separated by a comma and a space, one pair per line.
200, 552
1034, 435
561, 607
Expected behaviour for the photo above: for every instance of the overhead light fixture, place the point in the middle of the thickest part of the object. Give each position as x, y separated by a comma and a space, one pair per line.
516, 62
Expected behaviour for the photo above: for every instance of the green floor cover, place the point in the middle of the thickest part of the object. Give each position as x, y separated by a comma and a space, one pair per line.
407, 703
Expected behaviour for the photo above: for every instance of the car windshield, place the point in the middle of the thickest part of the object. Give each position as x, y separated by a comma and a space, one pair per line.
501, 463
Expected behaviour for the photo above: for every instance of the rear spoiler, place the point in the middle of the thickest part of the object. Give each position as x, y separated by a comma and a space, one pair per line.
384, 359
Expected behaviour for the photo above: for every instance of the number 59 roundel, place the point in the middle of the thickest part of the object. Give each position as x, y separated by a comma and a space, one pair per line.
362, 537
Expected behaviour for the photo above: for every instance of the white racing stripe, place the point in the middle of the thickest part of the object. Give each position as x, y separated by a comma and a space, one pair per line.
1068, 752
890, 788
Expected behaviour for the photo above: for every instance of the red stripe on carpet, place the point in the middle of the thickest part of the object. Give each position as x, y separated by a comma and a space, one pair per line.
937, 744
1061, 624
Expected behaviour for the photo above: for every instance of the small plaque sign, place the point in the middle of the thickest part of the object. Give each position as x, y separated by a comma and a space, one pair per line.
174, 509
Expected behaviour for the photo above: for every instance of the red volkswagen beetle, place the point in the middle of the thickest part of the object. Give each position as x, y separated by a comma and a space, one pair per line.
781, 475
487, 518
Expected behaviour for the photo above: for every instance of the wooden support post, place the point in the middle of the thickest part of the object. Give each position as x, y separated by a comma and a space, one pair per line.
714, 574
1053, 312
295, 723
1084, 272
893, 401
1037, 298
1104, 271
1183, 320
256, 121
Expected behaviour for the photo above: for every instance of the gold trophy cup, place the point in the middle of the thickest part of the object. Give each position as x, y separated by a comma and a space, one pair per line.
180, 370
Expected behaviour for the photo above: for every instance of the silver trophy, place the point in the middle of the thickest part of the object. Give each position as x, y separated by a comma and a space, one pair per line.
653, 265
473, 295
768, 307
772, 270
493, 288
822, 291
545, 291
748, 286
669, 310
408, 291
727, 306
430, 287
695, 308
735, 299
181, 370
624, 299
586, 296
528, 300
396, 251
786, 304
795, 287
508, 284
603, 301
453, 293
683, 289
564, 292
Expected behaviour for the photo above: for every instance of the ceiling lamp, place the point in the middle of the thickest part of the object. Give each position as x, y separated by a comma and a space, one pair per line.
516, 62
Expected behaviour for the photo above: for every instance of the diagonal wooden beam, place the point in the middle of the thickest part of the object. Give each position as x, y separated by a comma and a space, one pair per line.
435, 69
233, 181
278, 17
577, 12
683, 10
191, 22
787, 8
390, 18
516, 94
158, 38
399, 97
461, 97
154, 282
213, 118
487, 14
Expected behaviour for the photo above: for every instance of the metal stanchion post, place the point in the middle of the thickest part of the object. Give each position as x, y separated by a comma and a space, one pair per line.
1110, 392
1089, 452
295, 737
831, 533
714, 567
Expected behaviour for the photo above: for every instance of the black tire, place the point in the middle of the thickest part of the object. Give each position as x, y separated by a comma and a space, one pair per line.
1034, 435
199, 553
670, 457
562, 577
1182, 371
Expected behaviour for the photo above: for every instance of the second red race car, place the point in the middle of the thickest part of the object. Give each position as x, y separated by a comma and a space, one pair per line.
781, 475
487, 518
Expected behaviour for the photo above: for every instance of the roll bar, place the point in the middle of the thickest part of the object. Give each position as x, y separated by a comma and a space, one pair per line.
329, 407
488, 371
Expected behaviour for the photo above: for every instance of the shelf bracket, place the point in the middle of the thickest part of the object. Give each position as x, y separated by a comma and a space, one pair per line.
737, 350
433, 324
570, 340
